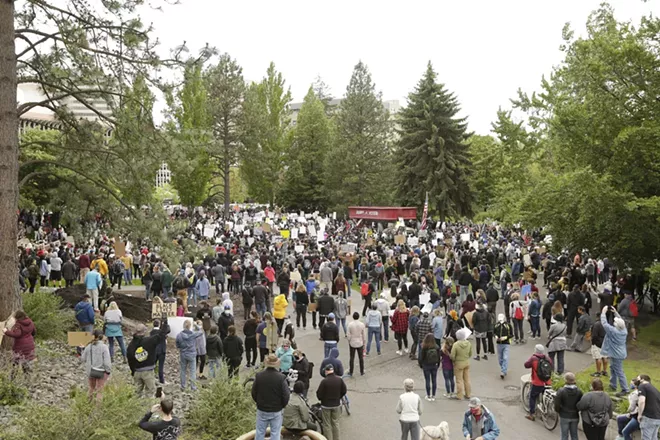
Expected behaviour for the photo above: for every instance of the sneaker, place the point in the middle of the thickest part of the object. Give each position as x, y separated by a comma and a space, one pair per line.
530, 417
621, 394
379, 353
349, 375
399, 352
432, 398
406, 350
386, 341
485, 357
619, 437
453, 397
477, 358
502, 376
366, 354
467, 397
603, 373
362, 374
446, 395
428, 398
596, 374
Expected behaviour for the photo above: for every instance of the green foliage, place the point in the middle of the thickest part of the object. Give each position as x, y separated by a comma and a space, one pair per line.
47, 311
223, 410
359, 167
114, 417
167, 192
312, 138
432, 151
12, 391
266, 120
190, 127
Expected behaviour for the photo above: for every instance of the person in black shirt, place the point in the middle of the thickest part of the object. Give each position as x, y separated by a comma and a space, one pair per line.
168, 427
649, 408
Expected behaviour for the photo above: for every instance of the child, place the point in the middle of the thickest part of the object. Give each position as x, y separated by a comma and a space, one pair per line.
448, 368
214, 351
179, 307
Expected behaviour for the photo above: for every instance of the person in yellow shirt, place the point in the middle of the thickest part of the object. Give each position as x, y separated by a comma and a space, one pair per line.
128, 264
100, 264
279, 311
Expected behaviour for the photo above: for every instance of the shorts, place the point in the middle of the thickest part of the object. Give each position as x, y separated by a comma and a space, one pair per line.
595, 353
55, 275
480, 335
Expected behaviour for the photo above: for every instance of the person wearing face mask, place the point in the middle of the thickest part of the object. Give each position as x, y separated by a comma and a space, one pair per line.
304, 369
628, 423
479, 423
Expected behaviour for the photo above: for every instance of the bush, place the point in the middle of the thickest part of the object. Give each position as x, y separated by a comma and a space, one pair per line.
115, 417
224, 410
47, 312
12, 391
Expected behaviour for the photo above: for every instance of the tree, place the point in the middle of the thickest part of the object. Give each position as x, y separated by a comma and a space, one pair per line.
432, 151
304, 187
190, 127
226, 89
323, 93
360, 164
486, 155
266, 121
74, 53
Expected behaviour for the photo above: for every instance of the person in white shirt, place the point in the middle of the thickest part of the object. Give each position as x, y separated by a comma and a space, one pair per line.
56, 270
409, 409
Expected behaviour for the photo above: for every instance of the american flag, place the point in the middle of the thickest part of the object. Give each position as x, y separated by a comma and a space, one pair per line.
426, 211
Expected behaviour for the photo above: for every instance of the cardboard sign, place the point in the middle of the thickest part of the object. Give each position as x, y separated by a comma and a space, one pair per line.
370, 241
266, 227
158, 308
120, 248
76, 339
311, 307
399, 239
258, 231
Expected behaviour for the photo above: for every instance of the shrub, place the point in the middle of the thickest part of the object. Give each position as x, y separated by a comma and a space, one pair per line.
12, 391
115, 417
224, 410
47, 312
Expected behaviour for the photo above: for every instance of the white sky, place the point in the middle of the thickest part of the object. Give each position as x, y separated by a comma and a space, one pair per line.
483, 50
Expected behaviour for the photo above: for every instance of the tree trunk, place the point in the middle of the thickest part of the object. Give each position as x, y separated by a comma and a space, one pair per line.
226, 176
10, 296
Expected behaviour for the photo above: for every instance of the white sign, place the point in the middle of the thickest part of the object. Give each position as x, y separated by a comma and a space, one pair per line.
439, 235
312, 230
334, 216
299, 249
250, 241
432, 257
209, 231
302, 230
413, 241
465, 237
434, 242
294, 233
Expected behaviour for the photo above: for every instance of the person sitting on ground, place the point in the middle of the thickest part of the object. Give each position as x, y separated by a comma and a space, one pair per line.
296, 413
167, 427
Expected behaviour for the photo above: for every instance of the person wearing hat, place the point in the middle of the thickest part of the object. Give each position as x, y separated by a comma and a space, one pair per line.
479, 423
460, 355
539, 382
503, 337
271, 394
329, 334
141, 357
597, 339
330, 392
409, 409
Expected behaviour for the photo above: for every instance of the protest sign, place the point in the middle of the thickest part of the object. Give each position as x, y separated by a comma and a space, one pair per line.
370, 241
422, 234
399, 239
120, 248
312, 230
302, 230
413, 241
439, 235
348, 248
257, 231
294, 233
76, 339
209, 231
299, 249
465, 237
527, 260
285, 233
266, 227
434, 242
432, 257
176, 325
334, 216
250, 241
159, 307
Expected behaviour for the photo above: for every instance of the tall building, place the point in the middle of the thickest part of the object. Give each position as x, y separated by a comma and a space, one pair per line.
163, 176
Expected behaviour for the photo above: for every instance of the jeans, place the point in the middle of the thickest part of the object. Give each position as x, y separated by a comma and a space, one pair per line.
160, 360
120, 342
359, 352
559, 366
409, 427
147, 290
187, 364
595, 432
375, 332
331, 422
534, 393
127, 276
627, 425
649, 428
577, 342
463, 293
214, 365
349, 283
568, 426
518, 333
535, 323
450, 385
431, 378
503, 357
386, 331
261, 308
616, 372
192, 297
327, 347
266, 419
341, 323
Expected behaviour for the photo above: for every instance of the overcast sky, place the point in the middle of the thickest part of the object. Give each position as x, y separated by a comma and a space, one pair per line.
483, 50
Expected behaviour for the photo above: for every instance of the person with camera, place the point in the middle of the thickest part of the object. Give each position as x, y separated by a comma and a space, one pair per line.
167, 426
614, 347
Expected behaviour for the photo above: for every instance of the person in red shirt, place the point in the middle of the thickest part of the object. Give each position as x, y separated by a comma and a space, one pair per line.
83, 265
538, 382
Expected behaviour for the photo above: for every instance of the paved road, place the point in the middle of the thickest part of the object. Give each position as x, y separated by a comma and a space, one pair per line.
374, 396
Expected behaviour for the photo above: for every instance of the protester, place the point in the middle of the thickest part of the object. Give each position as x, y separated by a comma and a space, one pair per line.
113, 321
356, 342
304, 369
557, 343
232, 347
93, 283
161, 353
583, 327
96, 357
186, 342
301, 301
628, 423
566, 401
517, 311
461, 352
325, 306
271, 394
341, 311
503, 337
597, 339
295, 417
267, 333
409, 409
541, 367
330, 392
479, 422
448, 368
480, 322
22, 333
383, 307
200, 347
430, 361
596, 410
614, 347
167, 427
85, 315
649, 408
68, 272
279, 311
285, 355
400, 320
329, 335
250, 334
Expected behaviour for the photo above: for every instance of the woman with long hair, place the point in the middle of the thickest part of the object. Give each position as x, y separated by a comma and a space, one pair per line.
400, 326
96, 357
430, 360
112, 319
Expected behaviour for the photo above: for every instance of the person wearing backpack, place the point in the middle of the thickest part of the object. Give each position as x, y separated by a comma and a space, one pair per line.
430, 362
596, 410
628, 310
517, 314
117, 274
541, 367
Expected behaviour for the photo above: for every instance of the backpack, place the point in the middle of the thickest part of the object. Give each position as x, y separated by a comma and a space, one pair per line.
364, 289
544, 369
518, 313
116, 267
432, 356
310, 370
634, 310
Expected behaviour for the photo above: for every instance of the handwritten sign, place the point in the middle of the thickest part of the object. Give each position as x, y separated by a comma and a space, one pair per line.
399, 239
76, 339
158, 308
285, 233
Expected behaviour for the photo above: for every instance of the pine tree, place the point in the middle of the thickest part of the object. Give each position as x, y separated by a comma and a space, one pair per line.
359, 166
432, 151
304, 187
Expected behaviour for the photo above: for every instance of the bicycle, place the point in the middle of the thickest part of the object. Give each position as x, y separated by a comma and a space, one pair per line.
346, 405
545, 405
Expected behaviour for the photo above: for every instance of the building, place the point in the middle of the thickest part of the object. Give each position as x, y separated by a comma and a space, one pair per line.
163, 176
392, 106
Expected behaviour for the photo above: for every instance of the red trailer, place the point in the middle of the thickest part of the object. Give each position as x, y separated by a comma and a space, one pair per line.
382, 213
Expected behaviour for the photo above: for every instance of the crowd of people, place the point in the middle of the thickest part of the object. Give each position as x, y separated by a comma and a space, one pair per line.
435, 290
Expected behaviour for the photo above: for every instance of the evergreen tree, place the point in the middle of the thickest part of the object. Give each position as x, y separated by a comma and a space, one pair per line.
322, 91
304, 187
432, 151
226, 89
359, 166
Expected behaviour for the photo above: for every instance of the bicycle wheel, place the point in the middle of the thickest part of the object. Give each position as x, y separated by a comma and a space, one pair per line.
524, 395
346, 404
550, 418
248, 382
